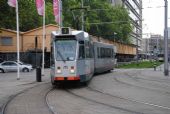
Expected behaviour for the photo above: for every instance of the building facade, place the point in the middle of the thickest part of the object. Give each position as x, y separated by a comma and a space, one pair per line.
29, 48
135, 12
153, 45
8, 39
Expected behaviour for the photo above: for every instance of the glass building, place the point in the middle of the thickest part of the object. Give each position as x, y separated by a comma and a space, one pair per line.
135, 12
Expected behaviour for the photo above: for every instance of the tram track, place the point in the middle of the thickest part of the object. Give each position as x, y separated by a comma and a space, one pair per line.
102, 103
136, 78
138, 75
25, 99
131, 100
47, 102
9, 100
71, 92
157, 105
157, 90
133, 85
84, 93
141, 103
3, 109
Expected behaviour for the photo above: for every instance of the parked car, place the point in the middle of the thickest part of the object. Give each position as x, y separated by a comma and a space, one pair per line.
160, 59
7, 66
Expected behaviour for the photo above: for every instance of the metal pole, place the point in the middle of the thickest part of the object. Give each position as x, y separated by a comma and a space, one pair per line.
166, 70
36, 43
137, 51
60, 11
137, 61
82, 26
43, 40
18, 41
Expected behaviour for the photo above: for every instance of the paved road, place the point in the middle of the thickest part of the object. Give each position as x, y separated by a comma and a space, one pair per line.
31, 101
9, 85
120, 92
148, 88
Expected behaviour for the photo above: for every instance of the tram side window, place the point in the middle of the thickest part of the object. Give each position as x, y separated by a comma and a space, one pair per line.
91, 51
98, 52
102, 53
52, 56
81, 52
113, 54
88, 50
108, 53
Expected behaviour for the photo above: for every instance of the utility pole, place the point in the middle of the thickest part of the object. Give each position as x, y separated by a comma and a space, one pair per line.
166, 70
78, 18
137, 53
82, 6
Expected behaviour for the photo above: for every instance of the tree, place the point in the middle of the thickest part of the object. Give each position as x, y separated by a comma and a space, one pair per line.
101, 19
109, 21
104, 22
28, 16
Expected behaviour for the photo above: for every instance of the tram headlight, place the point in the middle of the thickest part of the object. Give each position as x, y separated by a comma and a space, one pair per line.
72, 70
58, 70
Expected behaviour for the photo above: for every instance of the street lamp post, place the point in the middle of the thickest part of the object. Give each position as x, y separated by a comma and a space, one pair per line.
166, 71
82, 5
137, 53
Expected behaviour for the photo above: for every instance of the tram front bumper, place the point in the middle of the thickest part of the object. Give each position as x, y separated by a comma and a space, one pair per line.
67, 78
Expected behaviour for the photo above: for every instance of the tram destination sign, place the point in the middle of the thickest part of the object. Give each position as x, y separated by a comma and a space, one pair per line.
65, 30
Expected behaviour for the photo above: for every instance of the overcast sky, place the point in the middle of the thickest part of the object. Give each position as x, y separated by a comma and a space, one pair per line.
153, 17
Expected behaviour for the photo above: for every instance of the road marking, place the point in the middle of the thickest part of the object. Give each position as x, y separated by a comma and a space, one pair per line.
155, 105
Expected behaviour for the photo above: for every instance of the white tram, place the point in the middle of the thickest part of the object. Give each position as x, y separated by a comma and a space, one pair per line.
75, 57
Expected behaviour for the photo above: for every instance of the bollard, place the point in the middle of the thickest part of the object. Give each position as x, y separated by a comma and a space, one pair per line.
38, 74
154, 67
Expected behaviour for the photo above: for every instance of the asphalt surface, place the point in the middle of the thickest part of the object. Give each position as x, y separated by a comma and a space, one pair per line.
10, 86
123, 91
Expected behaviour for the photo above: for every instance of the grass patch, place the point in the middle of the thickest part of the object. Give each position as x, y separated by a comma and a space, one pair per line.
143, 64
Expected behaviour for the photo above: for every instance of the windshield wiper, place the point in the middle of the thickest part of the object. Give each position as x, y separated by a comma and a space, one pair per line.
62, 58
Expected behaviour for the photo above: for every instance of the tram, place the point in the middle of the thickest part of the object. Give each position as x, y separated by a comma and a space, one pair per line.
75, 57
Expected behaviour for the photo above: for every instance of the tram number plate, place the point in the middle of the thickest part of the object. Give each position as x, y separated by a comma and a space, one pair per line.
65, 67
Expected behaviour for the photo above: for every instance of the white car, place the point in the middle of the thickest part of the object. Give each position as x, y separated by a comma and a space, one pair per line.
8, 66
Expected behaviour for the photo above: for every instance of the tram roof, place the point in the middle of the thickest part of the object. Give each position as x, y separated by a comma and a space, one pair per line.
76, 33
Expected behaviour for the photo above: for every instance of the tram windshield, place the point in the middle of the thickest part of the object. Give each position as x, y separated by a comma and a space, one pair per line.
65, 50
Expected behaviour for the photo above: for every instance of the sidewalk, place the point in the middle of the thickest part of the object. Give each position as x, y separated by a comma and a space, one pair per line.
156, 74
9, 85
150, 73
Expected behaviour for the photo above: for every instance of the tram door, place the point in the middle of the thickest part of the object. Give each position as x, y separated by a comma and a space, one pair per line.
52, 61
89, 63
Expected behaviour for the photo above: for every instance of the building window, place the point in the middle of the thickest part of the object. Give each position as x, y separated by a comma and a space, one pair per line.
6, 41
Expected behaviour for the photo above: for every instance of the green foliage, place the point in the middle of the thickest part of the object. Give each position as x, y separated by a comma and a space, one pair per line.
143, 64
95, 20
28, 16
101, 19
